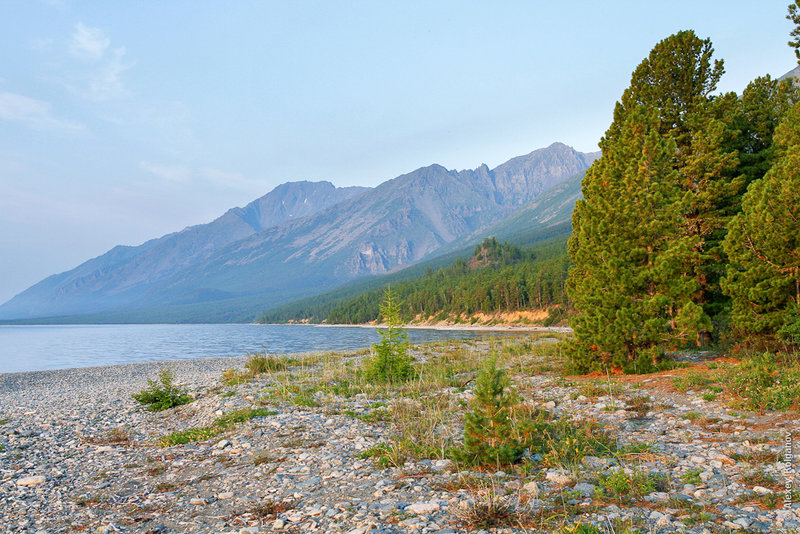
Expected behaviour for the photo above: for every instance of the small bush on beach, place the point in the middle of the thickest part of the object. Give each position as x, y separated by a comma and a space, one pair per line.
220, 425
262, 363
627, 486
162, 394
767, 382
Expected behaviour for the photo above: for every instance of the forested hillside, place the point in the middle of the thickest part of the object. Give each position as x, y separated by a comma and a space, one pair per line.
498, 278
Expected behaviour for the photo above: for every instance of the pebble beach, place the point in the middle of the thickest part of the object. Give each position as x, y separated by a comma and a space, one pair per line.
77, 454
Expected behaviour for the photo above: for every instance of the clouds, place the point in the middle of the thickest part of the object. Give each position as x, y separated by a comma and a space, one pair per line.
170, 173
33, 113
88, 43
100, 78
182, 174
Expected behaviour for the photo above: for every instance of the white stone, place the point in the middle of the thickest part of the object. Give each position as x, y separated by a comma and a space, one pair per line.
225, 495
420, 508
558, 479
443, 464
31, 481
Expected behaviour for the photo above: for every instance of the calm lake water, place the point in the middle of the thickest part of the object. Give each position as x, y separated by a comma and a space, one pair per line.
33, 348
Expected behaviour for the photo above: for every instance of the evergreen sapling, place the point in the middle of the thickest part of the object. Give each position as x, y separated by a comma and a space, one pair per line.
489, 428
391, 362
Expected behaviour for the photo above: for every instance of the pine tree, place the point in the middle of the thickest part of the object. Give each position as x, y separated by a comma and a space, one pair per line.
647, 236
631, 283
752, 119
676, 81
488, 428
794, 16
763, 244
391, 362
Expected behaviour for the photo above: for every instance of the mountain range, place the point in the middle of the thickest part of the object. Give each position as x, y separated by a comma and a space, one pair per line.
304, 238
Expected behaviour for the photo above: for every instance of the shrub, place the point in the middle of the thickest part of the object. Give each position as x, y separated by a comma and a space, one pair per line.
219, 425
262, 363
565, 443
232, 377
490, 510
766, 382
391, 362
628, 485
162, 394
692, 477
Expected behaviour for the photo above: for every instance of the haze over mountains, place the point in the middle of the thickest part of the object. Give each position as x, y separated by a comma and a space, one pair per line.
304, 238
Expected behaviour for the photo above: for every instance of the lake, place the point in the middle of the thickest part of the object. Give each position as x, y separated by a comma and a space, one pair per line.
33, 348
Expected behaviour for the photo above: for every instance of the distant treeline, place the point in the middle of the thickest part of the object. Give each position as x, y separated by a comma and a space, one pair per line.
498, 278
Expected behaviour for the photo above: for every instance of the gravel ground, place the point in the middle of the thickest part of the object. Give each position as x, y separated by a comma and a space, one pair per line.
78, 455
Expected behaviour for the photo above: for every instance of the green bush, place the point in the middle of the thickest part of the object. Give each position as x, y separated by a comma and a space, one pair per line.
766, 382
564, 443
162, 394
262, 363
391, 363
630, 485
219, 425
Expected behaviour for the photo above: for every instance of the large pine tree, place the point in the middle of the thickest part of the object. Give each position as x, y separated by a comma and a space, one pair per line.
648, 255
677, 81
763, 244
632, 282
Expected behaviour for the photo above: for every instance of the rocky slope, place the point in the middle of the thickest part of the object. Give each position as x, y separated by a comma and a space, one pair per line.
119, 277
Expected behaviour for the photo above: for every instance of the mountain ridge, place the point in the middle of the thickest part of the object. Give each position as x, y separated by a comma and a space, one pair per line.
269, 248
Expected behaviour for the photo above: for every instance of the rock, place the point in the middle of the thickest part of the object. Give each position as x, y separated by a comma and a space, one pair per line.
656, 515
659, 496
225, 495
443, 464
31, 481
587, 490
197, 501
533, 488
558, 478
359, 530
278, 524
732, 526
422, 508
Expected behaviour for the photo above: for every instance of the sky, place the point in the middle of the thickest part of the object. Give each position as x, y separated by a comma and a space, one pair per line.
124, 121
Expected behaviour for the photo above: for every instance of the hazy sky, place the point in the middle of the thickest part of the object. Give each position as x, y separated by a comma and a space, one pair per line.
123, 121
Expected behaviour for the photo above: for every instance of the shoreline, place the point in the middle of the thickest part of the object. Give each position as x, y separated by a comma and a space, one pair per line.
203, 365
447, 327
